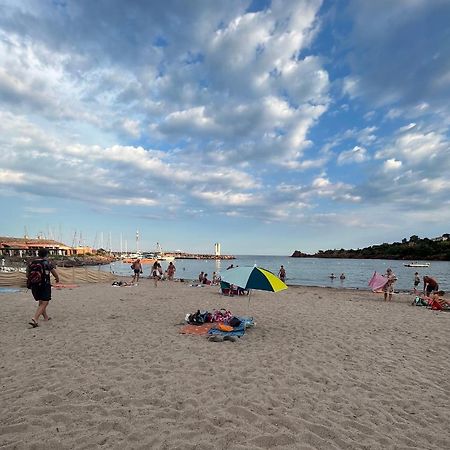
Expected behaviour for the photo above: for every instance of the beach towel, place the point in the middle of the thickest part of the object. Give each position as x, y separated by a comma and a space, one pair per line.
377, 281
199, 330
237, 331
246, 322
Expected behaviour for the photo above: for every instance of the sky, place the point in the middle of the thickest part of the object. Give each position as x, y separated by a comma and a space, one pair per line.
266, 126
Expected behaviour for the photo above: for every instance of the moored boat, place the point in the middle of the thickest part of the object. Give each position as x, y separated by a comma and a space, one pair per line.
416, 264
144, 258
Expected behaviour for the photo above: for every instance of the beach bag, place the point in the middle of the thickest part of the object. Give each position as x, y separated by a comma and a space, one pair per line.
196, 318
418, 301
234, 322
222, 315
36, 274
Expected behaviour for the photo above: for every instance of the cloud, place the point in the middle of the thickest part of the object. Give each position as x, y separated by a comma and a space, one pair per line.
199, 84
392, 164
389, 63
355, 155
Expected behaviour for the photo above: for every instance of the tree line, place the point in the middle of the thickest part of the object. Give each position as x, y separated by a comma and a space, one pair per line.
414, 248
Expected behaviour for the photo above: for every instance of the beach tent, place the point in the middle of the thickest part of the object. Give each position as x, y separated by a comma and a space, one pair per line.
377, 281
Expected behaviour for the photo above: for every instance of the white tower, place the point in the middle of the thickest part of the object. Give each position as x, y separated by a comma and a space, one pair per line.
217, 249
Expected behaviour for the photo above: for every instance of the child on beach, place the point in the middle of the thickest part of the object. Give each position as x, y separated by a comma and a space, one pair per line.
416, 281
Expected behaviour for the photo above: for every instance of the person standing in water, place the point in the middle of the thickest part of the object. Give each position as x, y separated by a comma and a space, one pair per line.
171, 269
282, 274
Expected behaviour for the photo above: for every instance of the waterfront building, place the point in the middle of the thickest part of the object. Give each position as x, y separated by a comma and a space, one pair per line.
23, 247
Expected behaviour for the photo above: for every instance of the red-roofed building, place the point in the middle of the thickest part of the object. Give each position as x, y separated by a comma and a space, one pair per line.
11, 246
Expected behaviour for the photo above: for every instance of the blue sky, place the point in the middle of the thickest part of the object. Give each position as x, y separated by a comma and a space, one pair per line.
265, 126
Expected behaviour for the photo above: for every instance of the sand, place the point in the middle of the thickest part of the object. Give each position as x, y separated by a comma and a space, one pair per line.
322, 369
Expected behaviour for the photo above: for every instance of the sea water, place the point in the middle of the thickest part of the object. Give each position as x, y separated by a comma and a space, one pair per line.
307, 271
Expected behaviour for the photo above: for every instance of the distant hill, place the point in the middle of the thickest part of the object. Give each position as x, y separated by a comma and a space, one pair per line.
414, 248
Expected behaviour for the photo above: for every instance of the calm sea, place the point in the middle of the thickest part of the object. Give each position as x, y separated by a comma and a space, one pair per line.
308, 271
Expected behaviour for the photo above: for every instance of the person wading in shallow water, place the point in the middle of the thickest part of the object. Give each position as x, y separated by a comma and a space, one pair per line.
42, 291
171, 269
282, 274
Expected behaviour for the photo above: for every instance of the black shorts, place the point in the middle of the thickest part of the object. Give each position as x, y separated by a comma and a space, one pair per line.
43, 293
430, 289
137, 271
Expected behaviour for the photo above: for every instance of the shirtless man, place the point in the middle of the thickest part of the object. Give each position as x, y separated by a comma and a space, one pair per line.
429, 285
137, 269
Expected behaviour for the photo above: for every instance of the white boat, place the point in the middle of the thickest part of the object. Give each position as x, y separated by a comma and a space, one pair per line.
143, 257
160, 255
416, 264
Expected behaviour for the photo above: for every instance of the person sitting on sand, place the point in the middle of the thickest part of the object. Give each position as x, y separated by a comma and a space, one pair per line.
205, 279
430, 285
388, 288
200, 276
437, 302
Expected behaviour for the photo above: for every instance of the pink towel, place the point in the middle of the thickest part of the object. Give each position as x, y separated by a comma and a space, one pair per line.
377, 281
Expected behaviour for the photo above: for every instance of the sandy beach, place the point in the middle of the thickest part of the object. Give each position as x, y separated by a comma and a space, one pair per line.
322, 369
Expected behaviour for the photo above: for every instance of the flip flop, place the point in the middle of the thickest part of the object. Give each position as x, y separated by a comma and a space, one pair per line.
33, 323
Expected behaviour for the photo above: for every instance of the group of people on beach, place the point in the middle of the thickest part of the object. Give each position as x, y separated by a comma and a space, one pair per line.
430, 285
203, 278
156, 272
41, 268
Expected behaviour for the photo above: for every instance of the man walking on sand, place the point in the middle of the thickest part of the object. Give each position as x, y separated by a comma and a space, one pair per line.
42, 290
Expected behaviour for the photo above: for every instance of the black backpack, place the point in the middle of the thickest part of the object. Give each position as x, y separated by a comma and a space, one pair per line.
36, 274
